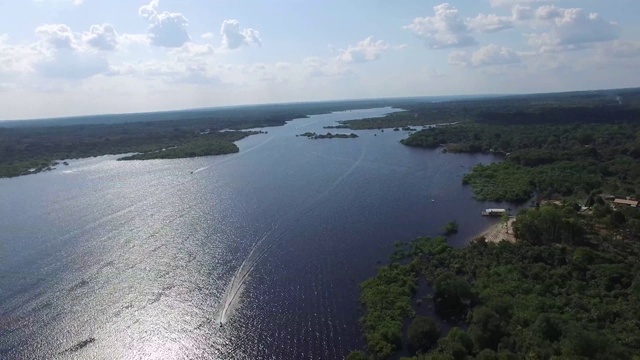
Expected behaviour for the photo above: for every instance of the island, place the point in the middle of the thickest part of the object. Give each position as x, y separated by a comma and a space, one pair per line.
32, 146
314, 136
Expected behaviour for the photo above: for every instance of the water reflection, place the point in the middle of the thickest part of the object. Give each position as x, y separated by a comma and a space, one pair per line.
131, 260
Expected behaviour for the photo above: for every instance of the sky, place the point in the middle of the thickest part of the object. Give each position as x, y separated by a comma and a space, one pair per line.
78, 57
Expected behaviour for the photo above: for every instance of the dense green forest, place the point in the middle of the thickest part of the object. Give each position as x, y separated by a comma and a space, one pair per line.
569, 288
218, 143
584, 106
547, 156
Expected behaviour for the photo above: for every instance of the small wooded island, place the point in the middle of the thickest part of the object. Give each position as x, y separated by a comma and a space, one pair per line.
314, 136
31, 146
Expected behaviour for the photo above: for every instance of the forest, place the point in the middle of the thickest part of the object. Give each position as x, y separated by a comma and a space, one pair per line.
567, 157
31, 146
569, 287
218, 143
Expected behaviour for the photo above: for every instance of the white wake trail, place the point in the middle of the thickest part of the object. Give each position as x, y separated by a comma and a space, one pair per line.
236, 286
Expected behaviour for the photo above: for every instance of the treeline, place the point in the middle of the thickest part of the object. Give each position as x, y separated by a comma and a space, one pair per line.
30, 146
403, 119
549, 160
218, 143
601, 106
387, 297
25, 150
314, 136
569, 288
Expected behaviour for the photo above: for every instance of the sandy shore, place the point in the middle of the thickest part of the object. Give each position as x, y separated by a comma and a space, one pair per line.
498, 232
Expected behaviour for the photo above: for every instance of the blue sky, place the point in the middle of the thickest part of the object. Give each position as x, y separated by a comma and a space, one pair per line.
73, 57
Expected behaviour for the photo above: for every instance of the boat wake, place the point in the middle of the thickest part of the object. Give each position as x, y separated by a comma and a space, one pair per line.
233, 293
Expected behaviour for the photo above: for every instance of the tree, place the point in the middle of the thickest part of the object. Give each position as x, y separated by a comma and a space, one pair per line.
548, 225
423, 333
356, 355
548, 328
453, 295
590, 201
486, 328
504, 219
451, 228
487, 354
457, 344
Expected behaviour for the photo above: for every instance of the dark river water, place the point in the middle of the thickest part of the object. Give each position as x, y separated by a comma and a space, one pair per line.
105, 259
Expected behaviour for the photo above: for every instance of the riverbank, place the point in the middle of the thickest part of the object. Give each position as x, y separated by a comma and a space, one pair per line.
499, 232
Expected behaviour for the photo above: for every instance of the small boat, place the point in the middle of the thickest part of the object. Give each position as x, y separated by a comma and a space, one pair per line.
494, 212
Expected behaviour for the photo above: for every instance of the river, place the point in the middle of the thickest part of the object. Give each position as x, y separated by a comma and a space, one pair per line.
254, 255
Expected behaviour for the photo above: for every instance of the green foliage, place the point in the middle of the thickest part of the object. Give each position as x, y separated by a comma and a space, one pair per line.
568, 289
314, 136
403, 119
545, 300
356, 355
503, 181
487, 354
549, 225
551, 299
452, 296
567, 158
423, 333
211, 144
486, 328
387, 299
457, 344
451, 228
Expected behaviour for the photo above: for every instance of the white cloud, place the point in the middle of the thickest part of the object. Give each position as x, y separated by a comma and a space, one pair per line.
319, 67
170, 71
490, 23
15, 60
57, 36
189, 64
489, 55
166, 29
62, 53
548, 12
624, 49
522, 13
233, 37
571, 29
365, 50
510, 3
447, 29
191, 50
101, 37
73, 65
74, 2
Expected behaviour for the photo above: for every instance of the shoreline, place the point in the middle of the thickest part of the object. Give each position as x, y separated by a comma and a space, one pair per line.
498, 232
